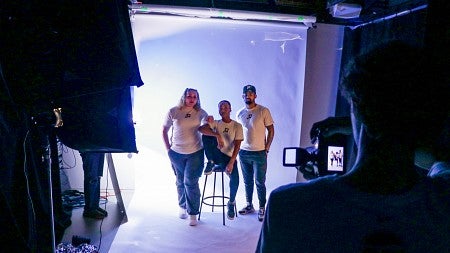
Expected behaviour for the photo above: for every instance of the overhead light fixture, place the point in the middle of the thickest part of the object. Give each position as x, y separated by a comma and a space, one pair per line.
392, 16
345, 10
221, 14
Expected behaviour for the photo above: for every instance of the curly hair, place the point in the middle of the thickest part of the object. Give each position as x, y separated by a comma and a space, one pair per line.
182, 101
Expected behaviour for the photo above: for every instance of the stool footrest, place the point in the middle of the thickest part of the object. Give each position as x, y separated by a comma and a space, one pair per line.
214, 197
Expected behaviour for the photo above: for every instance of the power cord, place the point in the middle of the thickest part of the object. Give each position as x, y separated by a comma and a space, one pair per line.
25, 172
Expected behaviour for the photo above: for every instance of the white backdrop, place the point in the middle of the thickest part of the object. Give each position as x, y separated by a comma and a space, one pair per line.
219, 57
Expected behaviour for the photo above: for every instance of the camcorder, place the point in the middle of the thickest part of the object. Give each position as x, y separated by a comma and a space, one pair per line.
328, 156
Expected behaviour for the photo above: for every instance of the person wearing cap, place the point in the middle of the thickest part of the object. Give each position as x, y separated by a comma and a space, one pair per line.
259, 131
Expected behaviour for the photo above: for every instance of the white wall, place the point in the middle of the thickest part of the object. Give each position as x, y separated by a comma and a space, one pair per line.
280, 87
219, 57
323, 61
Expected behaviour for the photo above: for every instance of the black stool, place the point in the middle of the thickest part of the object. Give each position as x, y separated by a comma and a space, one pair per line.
216, 169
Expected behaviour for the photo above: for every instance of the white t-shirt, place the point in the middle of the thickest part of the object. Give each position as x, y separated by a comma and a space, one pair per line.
327, 215
186, 139
229, 132
254, 121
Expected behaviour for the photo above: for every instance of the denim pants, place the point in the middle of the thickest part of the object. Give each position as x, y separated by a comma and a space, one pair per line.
214, 154
188, 169
254, 168
93, 170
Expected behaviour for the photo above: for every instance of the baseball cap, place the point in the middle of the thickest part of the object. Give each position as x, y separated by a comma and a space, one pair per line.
249, 88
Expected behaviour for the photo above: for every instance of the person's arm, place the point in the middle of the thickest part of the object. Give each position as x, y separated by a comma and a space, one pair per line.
440, 169
237, 147
270, 135
165, 135
206, 130
330, 126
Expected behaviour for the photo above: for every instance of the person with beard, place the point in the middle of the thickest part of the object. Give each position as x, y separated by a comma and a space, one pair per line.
259, 131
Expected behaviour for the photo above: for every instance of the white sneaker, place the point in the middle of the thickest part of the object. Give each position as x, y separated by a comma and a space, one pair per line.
193, 220
182, 213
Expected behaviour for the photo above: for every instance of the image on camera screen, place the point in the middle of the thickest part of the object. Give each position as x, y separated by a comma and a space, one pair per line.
290, 157
335, 158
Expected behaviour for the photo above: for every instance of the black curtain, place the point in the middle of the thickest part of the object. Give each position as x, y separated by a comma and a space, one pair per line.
410, 28
74, 55
429, 29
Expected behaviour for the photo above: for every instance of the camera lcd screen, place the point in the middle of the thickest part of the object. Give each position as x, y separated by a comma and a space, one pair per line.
335, 158
333, 154
290, 157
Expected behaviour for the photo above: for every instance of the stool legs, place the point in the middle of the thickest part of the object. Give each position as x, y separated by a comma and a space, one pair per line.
203, 197
223, 197
214, 192
223, 202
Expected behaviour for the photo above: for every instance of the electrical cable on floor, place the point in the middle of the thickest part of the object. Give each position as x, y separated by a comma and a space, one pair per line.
65, 149
25, 171
73, 199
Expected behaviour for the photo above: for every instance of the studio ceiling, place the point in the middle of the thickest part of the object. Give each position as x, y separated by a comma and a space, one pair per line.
371, 10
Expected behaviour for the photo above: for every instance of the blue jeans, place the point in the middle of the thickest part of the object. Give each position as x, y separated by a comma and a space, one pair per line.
254, 168
214, 154
93, 169
188, 169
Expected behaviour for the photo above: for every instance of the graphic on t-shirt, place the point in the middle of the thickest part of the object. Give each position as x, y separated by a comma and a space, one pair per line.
249, 116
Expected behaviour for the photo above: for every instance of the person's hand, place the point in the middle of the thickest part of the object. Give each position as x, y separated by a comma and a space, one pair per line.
220, 142
229, 168
330, 126
210, 119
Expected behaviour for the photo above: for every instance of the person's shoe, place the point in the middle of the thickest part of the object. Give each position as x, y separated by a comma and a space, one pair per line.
209, 168
230, 212
218, 168
182, 213
193, 220
261, 213
103, 211
94, 214
246, 210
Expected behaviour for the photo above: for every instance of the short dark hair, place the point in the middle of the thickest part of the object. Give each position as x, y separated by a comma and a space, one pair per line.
224, 101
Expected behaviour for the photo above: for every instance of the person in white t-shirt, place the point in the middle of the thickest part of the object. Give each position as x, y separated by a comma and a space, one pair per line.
256, 121
222, 141
383, 204
185, 150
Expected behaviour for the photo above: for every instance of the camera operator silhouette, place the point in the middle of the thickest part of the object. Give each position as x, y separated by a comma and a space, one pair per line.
382, 204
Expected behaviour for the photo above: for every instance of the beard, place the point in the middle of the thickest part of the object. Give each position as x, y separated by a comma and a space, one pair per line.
248, 102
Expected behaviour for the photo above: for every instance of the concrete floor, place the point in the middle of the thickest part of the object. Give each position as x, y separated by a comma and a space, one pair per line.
151, 224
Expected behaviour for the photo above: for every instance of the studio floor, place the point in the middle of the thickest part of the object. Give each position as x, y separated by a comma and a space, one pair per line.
150, 222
